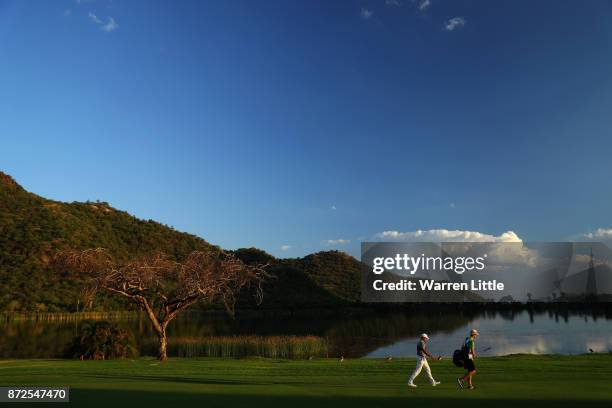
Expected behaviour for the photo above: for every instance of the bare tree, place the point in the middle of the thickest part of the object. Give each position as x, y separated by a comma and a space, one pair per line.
163, 288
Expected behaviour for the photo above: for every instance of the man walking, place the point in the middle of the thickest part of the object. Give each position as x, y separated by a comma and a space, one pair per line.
421, 362
469, 351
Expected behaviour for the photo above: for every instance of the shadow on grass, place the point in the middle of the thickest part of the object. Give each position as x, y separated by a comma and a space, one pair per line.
182, 380
115, 398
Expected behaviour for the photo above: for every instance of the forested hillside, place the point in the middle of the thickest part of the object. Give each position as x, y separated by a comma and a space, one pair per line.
33, 228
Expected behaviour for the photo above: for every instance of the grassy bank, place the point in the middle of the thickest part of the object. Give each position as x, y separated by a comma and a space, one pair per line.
58, 317
525, 381
295, 347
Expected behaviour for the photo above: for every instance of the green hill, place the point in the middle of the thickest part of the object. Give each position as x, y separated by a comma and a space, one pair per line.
288, 285
33, 228
334, 271
317, 280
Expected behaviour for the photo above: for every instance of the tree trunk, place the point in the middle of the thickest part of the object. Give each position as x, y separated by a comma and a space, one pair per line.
163, 345
159, 327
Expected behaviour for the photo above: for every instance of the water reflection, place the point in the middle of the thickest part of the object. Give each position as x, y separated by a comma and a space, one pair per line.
519, 332
358, 334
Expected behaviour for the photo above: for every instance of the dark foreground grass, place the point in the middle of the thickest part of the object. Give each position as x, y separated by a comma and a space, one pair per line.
515, 381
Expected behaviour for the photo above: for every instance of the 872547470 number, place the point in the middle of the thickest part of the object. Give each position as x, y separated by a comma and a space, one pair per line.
31, 394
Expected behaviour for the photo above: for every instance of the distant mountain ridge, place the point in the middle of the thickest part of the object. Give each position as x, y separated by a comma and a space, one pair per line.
33, 228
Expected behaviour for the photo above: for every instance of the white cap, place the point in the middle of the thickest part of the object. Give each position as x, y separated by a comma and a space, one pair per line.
424, 335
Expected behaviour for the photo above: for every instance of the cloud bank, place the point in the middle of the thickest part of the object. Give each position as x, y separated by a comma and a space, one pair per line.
444, 235
599, 233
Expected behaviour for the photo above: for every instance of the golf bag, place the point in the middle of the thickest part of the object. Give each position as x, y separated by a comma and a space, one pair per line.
458, 358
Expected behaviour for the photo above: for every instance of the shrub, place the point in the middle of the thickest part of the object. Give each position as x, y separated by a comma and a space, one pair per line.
102, 341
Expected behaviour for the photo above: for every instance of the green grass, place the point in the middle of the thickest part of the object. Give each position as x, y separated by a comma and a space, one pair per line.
515, 381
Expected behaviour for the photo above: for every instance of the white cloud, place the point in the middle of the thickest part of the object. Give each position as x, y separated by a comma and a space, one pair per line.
599, 233
393, 3
452, 205
513, 254
454, 23
285, 247
444, 235
424, 4
333, 207
110, 26
94, 18
336, 242
366, 14
67, 13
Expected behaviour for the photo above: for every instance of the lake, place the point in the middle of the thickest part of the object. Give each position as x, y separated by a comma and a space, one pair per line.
524, 333
355, 334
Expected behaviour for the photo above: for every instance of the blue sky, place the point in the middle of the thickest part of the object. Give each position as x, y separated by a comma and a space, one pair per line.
302, 126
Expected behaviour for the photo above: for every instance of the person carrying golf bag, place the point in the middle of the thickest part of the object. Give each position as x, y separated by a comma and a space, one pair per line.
467, 356
421, 362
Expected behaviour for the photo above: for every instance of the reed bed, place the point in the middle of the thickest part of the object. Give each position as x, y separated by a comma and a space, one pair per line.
67, 317
289, 347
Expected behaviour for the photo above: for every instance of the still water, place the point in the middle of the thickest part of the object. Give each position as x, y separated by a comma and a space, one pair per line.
538, 334
369, 335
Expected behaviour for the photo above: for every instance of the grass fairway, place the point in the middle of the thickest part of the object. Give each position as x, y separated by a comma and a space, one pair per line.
517, 381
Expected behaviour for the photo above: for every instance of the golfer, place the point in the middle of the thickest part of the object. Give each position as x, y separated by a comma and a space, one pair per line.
421, 362
470, 354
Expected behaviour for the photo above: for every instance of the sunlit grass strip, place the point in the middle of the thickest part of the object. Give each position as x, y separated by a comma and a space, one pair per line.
67, 317
289, 347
